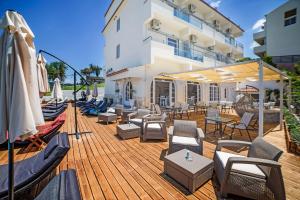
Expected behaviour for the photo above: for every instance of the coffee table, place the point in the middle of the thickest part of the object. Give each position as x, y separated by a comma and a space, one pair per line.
107, 117
127, 131
189, 173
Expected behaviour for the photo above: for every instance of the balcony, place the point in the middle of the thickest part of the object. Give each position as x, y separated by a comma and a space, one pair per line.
188, 18
260, 50
185, 49
259, 37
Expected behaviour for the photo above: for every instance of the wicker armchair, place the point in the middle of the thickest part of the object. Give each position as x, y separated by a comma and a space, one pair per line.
137, 117
185, 135
155, 128
257, 176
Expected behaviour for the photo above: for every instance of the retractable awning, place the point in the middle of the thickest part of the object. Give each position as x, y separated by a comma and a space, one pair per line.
238, 72
254, 70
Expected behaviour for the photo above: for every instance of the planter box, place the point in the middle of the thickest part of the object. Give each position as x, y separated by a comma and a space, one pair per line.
291, 145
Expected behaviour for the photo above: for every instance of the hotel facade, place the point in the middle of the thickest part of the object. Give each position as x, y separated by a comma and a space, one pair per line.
144, 39
279, 37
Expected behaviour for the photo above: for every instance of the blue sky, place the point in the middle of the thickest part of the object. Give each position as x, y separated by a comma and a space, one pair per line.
71, 29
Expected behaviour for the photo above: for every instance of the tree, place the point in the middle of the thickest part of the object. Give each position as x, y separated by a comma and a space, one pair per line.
98, 70
86, 72
268, 59
244, 59
56, 70
95, 69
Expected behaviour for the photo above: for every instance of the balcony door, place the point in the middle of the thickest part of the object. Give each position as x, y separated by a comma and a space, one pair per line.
174, 43
164, 92
193, 92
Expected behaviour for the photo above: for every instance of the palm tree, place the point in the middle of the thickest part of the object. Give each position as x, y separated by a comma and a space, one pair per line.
98, 70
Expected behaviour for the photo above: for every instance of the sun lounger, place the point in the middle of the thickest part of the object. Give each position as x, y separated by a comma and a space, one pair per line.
52, 116
63, 186
31, 171
54, 110
54, 106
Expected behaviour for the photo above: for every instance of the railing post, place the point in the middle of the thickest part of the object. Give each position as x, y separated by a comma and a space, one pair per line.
261, 100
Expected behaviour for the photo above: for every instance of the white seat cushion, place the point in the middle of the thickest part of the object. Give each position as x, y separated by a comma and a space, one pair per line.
247, 169
154, 126
185, 140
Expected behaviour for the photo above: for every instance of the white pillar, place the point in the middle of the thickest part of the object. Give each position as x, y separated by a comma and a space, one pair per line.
153, 91
281, 102
261, 100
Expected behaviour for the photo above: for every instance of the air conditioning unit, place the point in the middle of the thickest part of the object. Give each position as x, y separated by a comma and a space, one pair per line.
229, 31
155, 24
193, 38
192, 8
229, 55
216, 23
211, 48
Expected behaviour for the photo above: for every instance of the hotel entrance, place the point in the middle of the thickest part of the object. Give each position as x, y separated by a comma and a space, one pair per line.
164, 93
193, 92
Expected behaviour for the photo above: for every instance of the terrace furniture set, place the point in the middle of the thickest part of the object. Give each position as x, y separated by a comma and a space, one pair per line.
256, 176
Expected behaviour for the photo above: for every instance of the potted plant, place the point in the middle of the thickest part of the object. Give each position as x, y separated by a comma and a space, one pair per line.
292, 130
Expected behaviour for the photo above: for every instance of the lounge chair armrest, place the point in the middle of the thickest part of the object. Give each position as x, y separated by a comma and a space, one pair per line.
200, 134
231, 143
130, 115
171, 130
148, 116
255, 161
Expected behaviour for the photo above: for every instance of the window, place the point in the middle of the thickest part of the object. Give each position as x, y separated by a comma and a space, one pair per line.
128, 91
290, 17
118, 51
214, 94
118, 24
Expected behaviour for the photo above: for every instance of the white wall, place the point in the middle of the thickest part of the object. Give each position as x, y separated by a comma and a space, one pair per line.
283, 40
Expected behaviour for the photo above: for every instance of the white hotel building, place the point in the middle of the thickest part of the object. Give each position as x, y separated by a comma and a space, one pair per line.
144, 38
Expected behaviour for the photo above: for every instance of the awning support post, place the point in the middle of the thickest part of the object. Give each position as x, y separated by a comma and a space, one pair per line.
261, 100
281, 102
289, 93
153, 91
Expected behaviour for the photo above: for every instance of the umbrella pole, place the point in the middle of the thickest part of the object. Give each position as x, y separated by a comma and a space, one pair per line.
75, 112
10, 170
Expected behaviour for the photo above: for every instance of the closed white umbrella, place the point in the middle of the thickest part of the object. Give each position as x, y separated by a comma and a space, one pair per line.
57, 93
95, 90
42, 74
20, 109
88, 91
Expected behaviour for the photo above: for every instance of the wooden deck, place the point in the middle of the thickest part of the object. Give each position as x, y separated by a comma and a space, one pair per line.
110, 168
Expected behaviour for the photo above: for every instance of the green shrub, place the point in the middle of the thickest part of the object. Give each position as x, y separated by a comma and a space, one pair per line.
293, 125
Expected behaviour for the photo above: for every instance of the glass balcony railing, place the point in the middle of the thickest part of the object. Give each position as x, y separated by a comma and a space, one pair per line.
188, 18
188, 53
233, 42
199, 23
186, 49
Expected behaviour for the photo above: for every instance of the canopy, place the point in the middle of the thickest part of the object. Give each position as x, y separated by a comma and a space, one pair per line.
56, 91
42, 74
20, 109
95, 90
238, 72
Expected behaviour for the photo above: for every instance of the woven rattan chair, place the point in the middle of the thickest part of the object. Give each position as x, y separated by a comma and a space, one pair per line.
155, 128
185, 135
137, 117
256, 176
